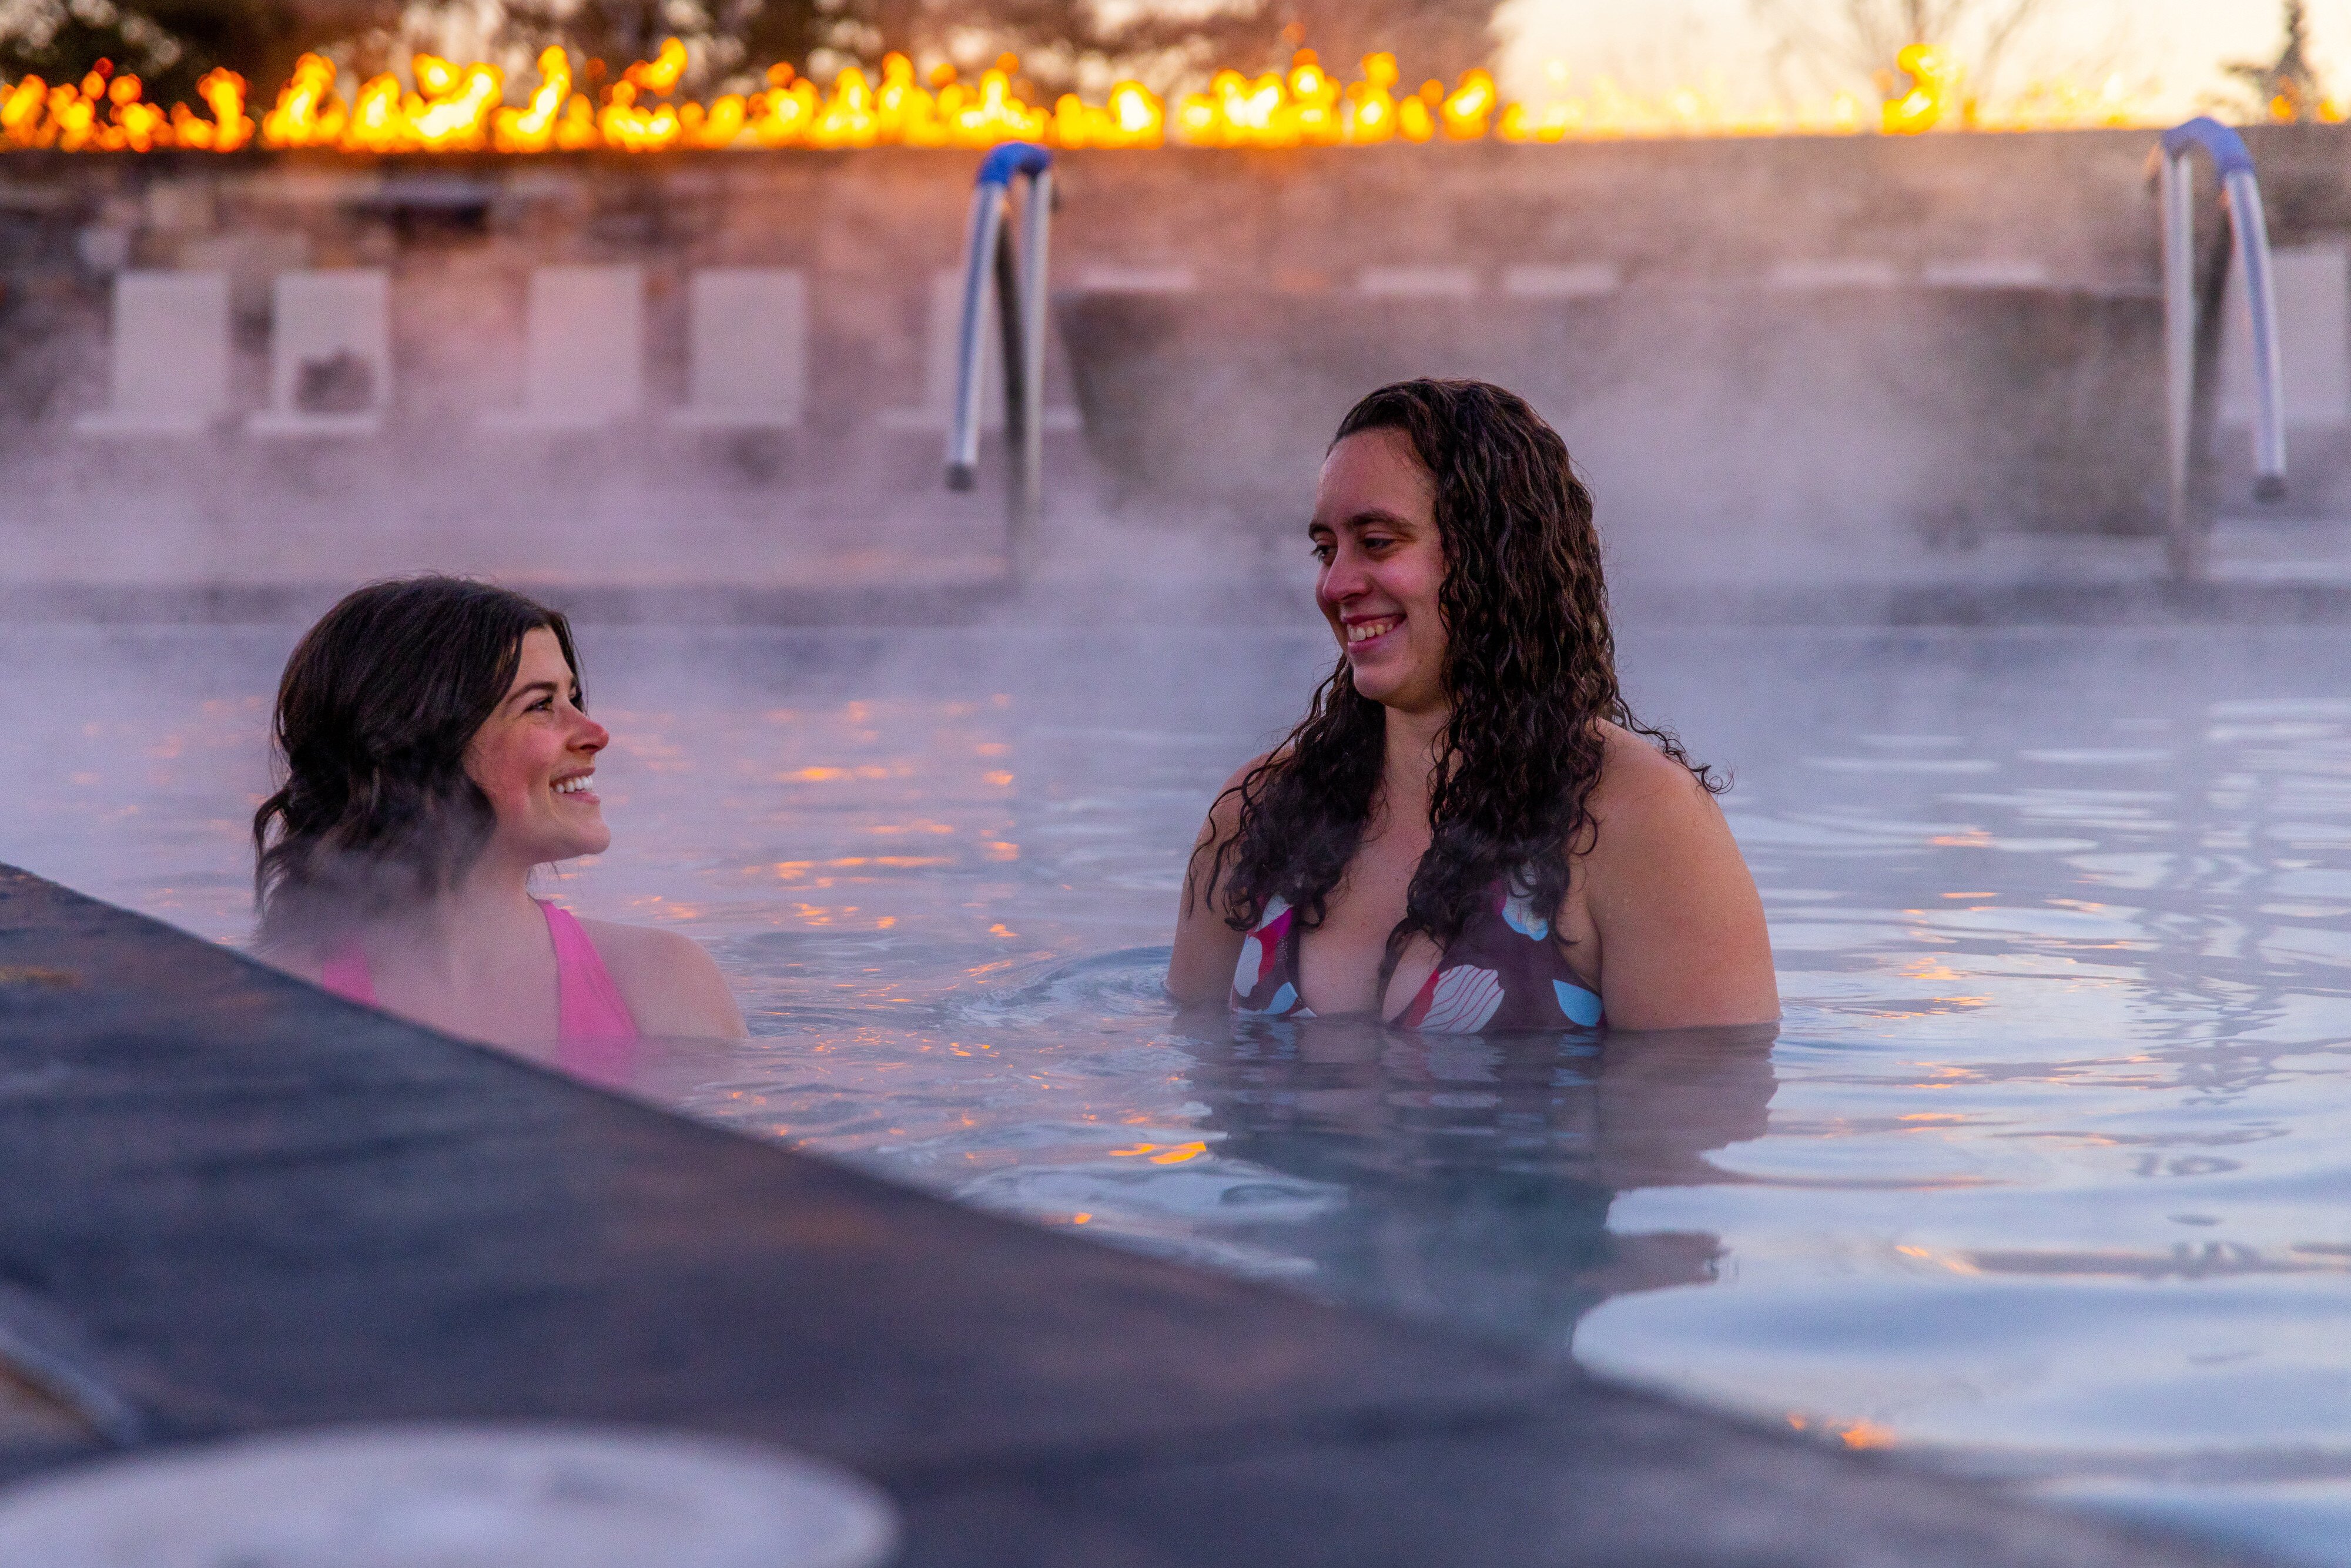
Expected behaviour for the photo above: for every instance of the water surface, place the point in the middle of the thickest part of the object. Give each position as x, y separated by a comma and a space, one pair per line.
2042, 1177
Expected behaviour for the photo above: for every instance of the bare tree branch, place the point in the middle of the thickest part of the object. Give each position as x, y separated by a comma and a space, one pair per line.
1069, 43
1859, 40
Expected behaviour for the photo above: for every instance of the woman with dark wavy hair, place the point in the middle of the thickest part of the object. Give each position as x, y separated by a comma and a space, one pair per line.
436, 749
1469, 830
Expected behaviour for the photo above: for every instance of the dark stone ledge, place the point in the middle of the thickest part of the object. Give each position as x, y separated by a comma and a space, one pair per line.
237, 1204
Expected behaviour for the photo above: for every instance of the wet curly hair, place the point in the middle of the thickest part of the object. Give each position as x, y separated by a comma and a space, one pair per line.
375, 710
1529, 672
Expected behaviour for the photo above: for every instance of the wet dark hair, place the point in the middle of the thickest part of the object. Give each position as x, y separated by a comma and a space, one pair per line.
375, 713
1530, 672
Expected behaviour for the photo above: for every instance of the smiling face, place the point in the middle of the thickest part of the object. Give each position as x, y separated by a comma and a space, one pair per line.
534, 756
1375, 531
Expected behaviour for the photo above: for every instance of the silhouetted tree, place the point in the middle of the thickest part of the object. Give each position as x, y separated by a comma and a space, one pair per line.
2288, 87
1062, 43
1838, 42
1068, 43
726, 36
170, 43
1429, 38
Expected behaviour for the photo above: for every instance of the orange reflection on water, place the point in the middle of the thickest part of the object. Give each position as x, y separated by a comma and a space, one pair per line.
835, 775
1852, 1434
1163, 1153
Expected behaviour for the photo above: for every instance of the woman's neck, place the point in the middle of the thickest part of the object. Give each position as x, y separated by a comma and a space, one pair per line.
485, 911
1412, 743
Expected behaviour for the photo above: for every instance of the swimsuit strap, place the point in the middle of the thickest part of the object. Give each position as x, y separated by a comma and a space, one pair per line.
345, 974
590, 1011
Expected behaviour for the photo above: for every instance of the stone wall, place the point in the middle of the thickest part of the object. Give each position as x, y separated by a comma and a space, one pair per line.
1756, 298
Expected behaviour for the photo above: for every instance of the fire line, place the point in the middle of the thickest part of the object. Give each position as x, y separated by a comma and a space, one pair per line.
446, 107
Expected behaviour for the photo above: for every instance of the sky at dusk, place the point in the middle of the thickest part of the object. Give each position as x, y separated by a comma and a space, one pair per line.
2169, 51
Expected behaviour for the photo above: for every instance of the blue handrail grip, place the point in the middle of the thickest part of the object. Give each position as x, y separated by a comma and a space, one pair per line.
2230, 154
1012, 157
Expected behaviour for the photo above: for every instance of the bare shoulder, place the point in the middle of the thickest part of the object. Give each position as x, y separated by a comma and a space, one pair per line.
1682, 938
622, 944
670, 981
1644, 792
1223, 822
1226, 814
1200, 966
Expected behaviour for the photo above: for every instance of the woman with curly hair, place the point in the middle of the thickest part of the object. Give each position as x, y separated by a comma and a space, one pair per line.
435, 749
1469, 830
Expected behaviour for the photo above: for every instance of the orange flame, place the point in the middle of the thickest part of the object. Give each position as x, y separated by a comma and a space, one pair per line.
1933, 92
661, 73
536, 128
308, 113
451, 107
228, 130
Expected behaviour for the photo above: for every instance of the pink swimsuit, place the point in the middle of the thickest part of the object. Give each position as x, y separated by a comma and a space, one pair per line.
595, 1037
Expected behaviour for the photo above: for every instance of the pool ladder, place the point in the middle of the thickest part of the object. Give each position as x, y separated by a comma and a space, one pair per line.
2192, 335
1019, 288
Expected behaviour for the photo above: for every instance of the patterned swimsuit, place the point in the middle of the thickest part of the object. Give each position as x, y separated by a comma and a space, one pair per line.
1502, 972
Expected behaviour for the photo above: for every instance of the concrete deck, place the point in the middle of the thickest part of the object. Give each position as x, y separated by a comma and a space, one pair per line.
237, 1204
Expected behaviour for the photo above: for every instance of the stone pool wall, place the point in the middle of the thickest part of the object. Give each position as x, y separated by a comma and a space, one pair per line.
1776, 339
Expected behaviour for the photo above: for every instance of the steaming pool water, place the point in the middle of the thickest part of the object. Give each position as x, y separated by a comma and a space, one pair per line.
2042, 1178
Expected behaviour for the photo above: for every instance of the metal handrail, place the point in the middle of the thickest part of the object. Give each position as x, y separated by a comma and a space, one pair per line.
2191, 331
990, 267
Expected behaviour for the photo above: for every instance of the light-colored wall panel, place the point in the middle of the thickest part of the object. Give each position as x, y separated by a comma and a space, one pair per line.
584, 353
169, 356
747, 347
329, 353
2314, 302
